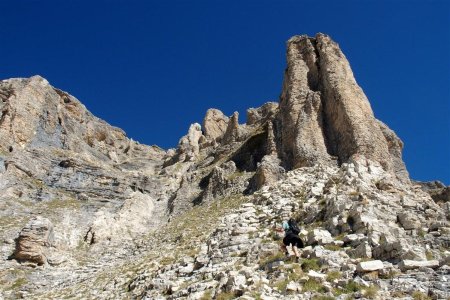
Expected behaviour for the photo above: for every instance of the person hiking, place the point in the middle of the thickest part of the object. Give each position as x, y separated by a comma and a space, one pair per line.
291, 238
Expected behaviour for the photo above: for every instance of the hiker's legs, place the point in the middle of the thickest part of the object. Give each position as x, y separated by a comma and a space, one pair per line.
295, 250
283, 247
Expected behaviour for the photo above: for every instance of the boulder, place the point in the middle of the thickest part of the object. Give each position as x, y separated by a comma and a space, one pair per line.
293, 287
315, 275
34, 241
362, 251
369, 266
408, 220
268, 172
319, 237
407, 264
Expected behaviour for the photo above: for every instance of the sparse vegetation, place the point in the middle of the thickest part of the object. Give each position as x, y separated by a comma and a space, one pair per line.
270, 259
421, 233
310, 264
350, 287
333, 275
371, 292
417, 295
18, 283
207, 295
281, 284
313, 285
225, 296
429, 255
332, 247
398, 294
235, 175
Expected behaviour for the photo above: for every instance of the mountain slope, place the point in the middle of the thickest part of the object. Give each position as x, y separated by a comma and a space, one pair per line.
88, 213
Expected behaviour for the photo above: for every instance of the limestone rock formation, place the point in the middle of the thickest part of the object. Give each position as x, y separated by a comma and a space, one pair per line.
232, 132
214, 124
106, 217
34, 240
325, 114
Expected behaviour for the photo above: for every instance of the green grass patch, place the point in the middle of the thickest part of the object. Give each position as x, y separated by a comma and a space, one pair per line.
429, 255
207, 295
350, 287
281, 285
310, 264
270, 259
18, 283
371, 292
313, 285
333, 275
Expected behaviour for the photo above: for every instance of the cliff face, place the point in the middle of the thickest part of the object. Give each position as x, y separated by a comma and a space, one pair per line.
79, 198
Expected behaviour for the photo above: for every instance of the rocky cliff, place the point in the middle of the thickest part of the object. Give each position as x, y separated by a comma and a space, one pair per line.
88, 213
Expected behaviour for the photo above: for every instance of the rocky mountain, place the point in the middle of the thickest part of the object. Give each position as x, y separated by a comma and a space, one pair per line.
87, 213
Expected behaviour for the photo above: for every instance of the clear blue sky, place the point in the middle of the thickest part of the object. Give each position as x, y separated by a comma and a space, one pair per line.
154, 67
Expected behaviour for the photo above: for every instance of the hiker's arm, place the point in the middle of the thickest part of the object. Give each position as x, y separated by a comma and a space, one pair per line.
278, 229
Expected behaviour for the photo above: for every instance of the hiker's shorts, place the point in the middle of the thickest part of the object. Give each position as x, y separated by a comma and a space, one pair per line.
293, 239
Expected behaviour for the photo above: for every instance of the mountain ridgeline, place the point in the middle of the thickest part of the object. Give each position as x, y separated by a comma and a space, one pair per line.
87, 213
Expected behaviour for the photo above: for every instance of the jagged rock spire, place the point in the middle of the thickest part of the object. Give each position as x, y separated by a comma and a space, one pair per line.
324, 113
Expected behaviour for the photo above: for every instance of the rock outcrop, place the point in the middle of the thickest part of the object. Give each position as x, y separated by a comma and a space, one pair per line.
325, 114
34, 240
215, 124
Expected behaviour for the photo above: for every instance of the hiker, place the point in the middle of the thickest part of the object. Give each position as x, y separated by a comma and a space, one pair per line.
291, 231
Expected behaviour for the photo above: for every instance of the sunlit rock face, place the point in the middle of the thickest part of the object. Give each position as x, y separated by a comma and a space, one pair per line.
325, 115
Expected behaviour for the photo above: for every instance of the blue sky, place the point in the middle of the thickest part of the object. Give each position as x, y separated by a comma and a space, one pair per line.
154, 67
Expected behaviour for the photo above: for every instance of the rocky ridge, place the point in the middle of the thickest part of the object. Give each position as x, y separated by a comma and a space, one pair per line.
89, 213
